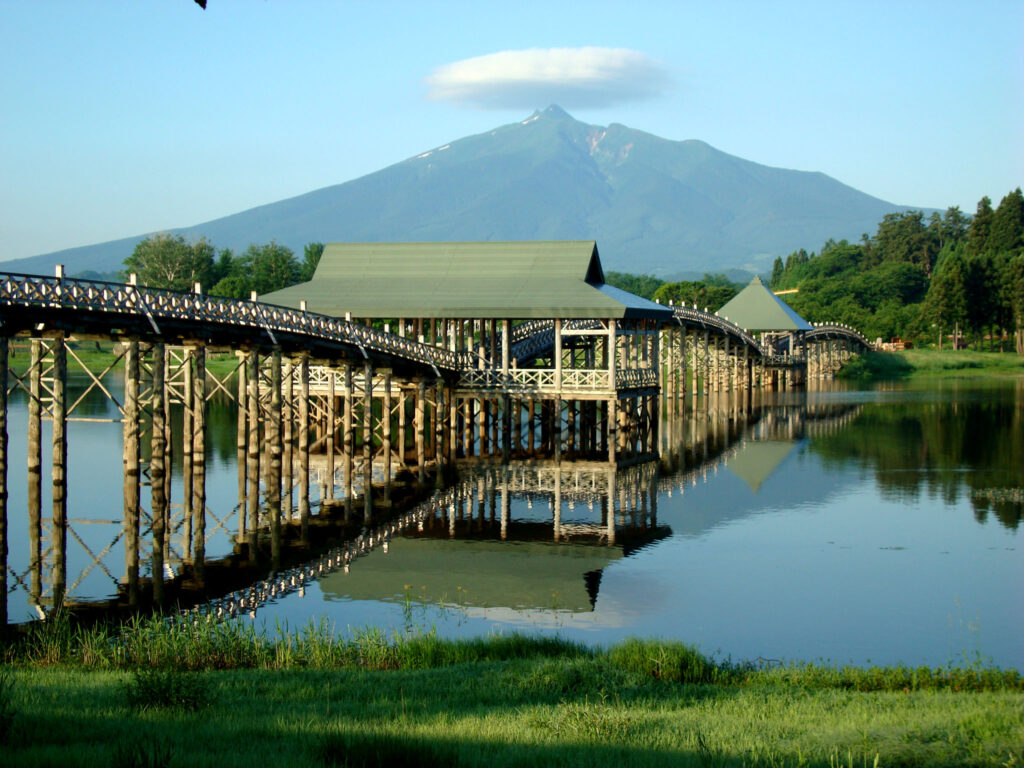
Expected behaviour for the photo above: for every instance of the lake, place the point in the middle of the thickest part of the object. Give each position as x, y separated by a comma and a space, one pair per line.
857, 526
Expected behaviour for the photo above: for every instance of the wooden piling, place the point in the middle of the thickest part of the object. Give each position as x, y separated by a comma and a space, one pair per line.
348, 438
252, 447
241, 433
274, 449
198, 450
303, 446
59, 517
3, 480
35, 471
130, 434
368, 439
157, 470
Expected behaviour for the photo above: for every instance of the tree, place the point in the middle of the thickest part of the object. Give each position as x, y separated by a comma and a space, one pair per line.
641, 285
981, 225
261, 268
310, 259
904, 237
777, 270
1013, 291
168, 261
711, 292
1007, 230
946, 302
272, 266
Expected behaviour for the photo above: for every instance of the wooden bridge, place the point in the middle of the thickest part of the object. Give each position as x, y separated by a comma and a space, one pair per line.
417, 394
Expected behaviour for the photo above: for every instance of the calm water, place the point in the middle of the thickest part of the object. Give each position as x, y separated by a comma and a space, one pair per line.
875, 526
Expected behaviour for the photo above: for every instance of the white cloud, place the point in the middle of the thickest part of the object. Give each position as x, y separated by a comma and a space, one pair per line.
574, 78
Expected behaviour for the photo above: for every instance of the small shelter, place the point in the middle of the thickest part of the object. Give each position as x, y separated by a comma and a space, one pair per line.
534, 323
759, 310
756, 308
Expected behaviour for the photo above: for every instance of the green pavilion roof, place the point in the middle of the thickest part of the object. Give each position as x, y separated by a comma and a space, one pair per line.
756, 460
756, 308
535, 279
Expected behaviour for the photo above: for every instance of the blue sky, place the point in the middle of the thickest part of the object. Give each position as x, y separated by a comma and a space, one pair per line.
123, 117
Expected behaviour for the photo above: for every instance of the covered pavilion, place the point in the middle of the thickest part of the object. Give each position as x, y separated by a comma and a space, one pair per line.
535, 322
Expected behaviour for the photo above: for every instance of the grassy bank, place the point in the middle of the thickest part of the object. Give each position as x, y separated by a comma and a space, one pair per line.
194, 695
99, 356
924, 363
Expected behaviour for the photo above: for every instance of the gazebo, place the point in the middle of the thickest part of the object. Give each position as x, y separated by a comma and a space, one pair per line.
759, 310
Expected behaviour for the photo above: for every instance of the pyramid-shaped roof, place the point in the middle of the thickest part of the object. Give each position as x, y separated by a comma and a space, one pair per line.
531, 279
756, 308
758, 459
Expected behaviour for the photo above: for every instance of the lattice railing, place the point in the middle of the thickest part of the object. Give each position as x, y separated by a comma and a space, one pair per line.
636, 378
537, 380
835, 331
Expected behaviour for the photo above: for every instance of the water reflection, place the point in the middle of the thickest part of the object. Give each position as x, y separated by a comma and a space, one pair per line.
772, 524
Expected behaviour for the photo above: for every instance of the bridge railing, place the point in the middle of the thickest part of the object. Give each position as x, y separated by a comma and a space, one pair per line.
693, 316
157, 304
836, 330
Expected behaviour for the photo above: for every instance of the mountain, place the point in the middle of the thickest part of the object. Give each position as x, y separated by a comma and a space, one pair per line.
653, 205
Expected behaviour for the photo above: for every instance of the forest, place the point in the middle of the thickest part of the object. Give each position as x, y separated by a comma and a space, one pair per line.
948, 279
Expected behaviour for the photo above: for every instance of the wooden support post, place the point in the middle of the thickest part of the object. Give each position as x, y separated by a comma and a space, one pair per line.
419, 425
130, 434
158, 470
368, 437
610, 428
35, 475
252, 367
59, 517
303, 446
453, 425
240, 438
198, 449
348, 434
288, 437
438, 417
385, 436
188, 403
329, 432
402, 425
4, 547
274, 450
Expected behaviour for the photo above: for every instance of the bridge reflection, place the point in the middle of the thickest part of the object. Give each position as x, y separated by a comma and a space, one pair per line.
580, 515
538, 535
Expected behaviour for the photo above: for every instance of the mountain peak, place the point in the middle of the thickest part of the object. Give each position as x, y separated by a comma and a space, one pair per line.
553, 112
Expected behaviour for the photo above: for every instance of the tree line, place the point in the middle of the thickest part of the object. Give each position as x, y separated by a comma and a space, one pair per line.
950, 277
169, 261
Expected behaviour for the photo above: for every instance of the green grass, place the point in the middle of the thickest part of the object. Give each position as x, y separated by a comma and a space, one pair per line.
499, 713
189, 693
924, 363
963, 362
98, 356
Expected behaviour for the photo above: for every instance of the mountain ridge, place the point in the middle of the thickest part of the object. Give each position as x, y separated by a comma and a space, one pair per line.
653, 205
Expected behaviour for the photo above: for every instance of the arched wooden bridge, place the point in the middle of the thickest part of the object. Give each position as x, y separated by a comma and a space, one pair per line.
309, 383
